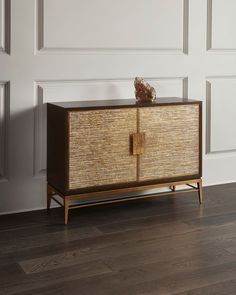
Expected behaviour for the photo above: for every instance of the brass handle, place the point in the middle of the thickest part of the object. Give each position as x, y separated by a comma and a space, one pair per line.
137, 143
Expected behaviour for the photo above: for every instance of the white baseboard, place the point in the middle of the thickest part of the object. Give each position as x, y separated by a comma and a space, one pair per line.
27, 210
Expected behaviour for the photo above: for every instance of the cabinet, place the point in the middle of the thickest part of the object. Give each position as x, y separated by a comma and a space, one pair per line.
97, 148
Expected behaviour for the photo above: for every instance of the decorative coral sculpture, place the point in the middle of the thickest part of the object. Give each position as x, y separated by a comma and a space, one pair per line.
143, 91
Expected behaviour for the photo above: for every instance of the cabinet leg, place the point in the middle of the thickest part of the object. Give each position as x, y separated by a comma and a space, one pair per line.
199, 186
66, 210
172, 187
49, 197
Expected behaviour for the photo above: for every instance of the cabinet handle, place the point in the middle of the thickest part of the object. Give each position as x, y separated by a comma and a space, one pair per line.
137, 143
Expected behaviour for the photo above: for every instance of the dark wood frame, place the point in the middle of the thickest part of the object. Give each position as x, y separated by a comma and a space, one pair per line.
57, 158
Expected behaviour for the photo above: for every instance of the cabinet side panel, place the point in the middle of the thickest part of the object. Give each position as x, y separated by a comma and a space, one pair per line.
57, 147
172, 141
99, 147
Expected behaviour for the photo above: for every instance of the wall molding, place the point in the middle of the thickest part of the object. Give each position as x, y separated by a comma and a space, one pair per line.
42, 49
5, 26
39, 170
209, 149
209, 46
209, 25
38, 132
4, 124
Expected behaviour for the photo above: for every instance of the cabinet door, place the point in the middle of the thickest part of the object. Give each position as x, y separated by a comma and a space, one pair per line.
171, 141
99, 147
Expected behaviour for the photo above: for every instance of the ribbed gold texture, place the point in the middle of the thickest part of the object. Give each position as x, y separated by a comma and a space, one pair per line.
99, 147
171, 141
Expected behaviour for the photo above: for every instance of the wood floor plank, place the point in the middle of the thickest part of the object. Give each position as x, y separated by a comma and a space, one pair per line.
142, 280
168, 245
158, 237
227, 288
206, 216
161, 245
20, 282
48, 239
185, 282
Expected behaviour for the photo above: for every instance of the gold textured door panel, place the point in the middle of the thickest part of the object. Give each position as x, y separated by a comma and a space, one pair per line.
171, 141
99, 147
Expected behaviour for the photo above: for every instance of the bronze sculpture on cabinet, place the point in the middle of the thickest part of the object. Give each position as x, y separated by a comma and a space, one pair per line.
150, 145
143, 91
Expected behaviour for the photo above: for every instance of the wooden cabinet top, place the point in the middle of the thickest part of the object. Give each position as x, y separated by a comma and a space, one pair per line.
121, 103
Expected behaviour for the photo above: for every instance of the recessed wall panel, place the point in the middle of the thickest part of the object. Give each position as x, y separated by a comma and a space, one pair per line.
5, 11
4, 102
112, 25
2, 26
222, 111
222, 24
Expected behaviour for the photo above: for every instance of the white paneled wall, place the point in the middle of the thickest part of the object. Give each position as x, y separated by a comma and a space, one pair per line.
4, 117
222, 113
112, 25
62, 50
222, 29
2, 24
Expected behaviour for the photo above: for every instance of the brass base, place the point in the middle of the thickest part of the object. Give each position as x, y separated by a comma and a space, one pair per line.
172, 185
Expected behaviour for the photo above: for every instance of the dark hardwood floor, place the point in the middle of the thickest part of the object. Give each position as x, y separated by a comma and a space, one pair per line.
165, 245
